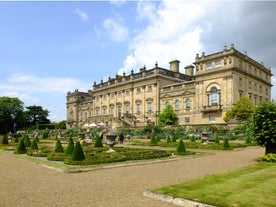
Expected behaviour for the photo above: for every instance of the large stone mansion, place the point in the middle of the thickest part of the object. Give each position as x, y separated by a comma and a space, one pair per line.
202, 96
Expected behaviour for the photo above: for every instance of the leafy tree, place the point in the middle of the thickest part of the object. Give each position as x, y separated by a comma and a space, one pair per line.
61, 125
36, 115
11, 114
58, 147
242, 110
21, 148
264, 126
70, 147
5, 140
168, 116
78, 154
34, 145
181, 149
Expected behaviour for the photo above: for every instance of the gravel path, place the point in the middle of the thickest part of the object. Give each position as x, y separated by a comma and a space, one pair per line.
24, 183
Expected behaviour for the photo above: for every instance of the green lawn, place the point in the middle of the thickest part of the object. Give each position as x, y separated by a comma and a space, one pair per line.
254, 186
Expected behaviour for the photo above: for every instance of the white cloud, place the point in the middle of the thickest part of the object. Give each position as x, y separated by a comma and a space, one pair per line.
172, 33
84, 17
49, 92
116, 30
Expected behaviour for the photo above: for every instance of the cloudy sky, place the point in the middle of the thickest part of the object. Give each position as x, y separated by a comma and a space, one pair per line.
50, 48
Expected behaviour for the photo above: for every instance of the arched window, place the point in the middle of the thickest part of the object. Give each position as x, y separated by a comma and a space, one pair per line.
214, 96
188, 103
177, 105
167, 103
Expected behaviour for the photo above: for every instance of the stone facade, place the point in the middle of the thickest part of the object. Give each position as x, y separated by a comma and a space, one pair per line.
208, 89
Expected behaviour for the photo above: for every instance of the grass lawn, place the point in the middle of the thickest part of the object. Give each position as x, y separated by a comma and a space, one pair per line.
254, 186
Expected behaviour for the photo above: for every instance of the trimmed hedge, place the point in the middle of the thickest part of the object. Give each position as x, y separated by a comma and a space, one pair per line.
21, 148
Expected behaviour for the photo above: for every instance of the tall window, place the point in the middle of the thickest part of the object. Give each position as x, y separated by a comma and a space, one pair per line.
127, 108
177, 105
149, 106
112, 110
188, 103
119, 111
214, 96
138, 108
167, 103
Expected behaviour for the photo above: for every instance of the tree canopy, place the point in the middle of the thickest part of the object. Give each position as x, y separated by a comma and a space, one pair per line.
36, 115
242, 110
168, 116
264, 126
11, 114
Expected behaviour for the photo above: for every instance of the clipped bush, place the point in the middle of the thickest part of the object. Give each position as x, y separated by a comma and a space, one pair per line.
217, 139
58, 147
5, 140
78, 154
168, 139
248, 140
45, 134
21, 148
98, 142
27, 141
36, 139
153, 141
192, 138
70, 147
226, 144
181, 149
34, 145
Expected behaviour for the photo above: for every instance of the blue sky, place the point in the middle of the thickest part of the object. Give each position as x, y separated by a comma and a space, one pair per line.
50, 48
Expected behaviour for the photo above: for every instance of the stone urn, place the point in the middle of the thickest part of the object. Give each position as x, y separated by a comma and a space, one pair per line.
111, 141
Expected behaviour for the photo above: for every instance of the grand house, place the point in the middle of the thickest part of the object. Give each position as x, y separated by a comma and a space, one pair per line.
202, 96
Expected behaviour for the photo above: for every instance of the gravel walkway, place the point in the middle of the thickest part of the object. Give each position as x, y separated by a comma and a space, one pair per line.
24, 183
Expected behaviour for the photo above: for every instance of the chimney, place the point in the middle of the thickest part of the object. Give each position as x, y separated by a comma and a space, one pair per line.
189, 70
174, 65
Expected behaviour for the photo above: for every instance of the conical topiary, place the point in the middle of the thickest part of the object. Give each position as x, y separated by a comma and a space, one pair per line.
78, 154
168, 139
36, 139
21, 148
192, 138
5, 140
153, 140
70, 147
98, 142
27, 141
34, 145
181, 149
226, 144
58, 147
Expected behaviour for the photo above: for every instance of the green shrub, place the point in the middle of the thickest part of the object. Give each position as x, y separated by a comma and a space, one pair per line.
192, 138
36, 139
5, 140
27, 141
21, 148
217, 139
98, 142
34, 145
268, 158
58, 147
45, 134
70, 147
181, 149
16, 139
168, 139
226, 144
248, 140
78, 154
153, 141
56, 156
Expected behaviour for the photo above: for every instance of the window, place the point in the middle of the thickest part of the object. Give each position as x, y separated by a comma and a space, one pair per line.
188, 103
167, 103
97, 112
119, 111
218, 63
212, 118
149, 88
104, 98
97, 98
208, 65
127, 108
177, 105
127, 92
112, 96
138, 90
138, 108
149, 106
214, 96
187, 119
104, 111
119, 94
112, 110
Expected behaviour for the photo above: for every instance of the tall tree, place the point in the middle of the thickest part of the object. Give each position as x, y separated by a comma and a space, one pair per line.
11, 114
36, 115
242, 110
264, 126
168, 116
